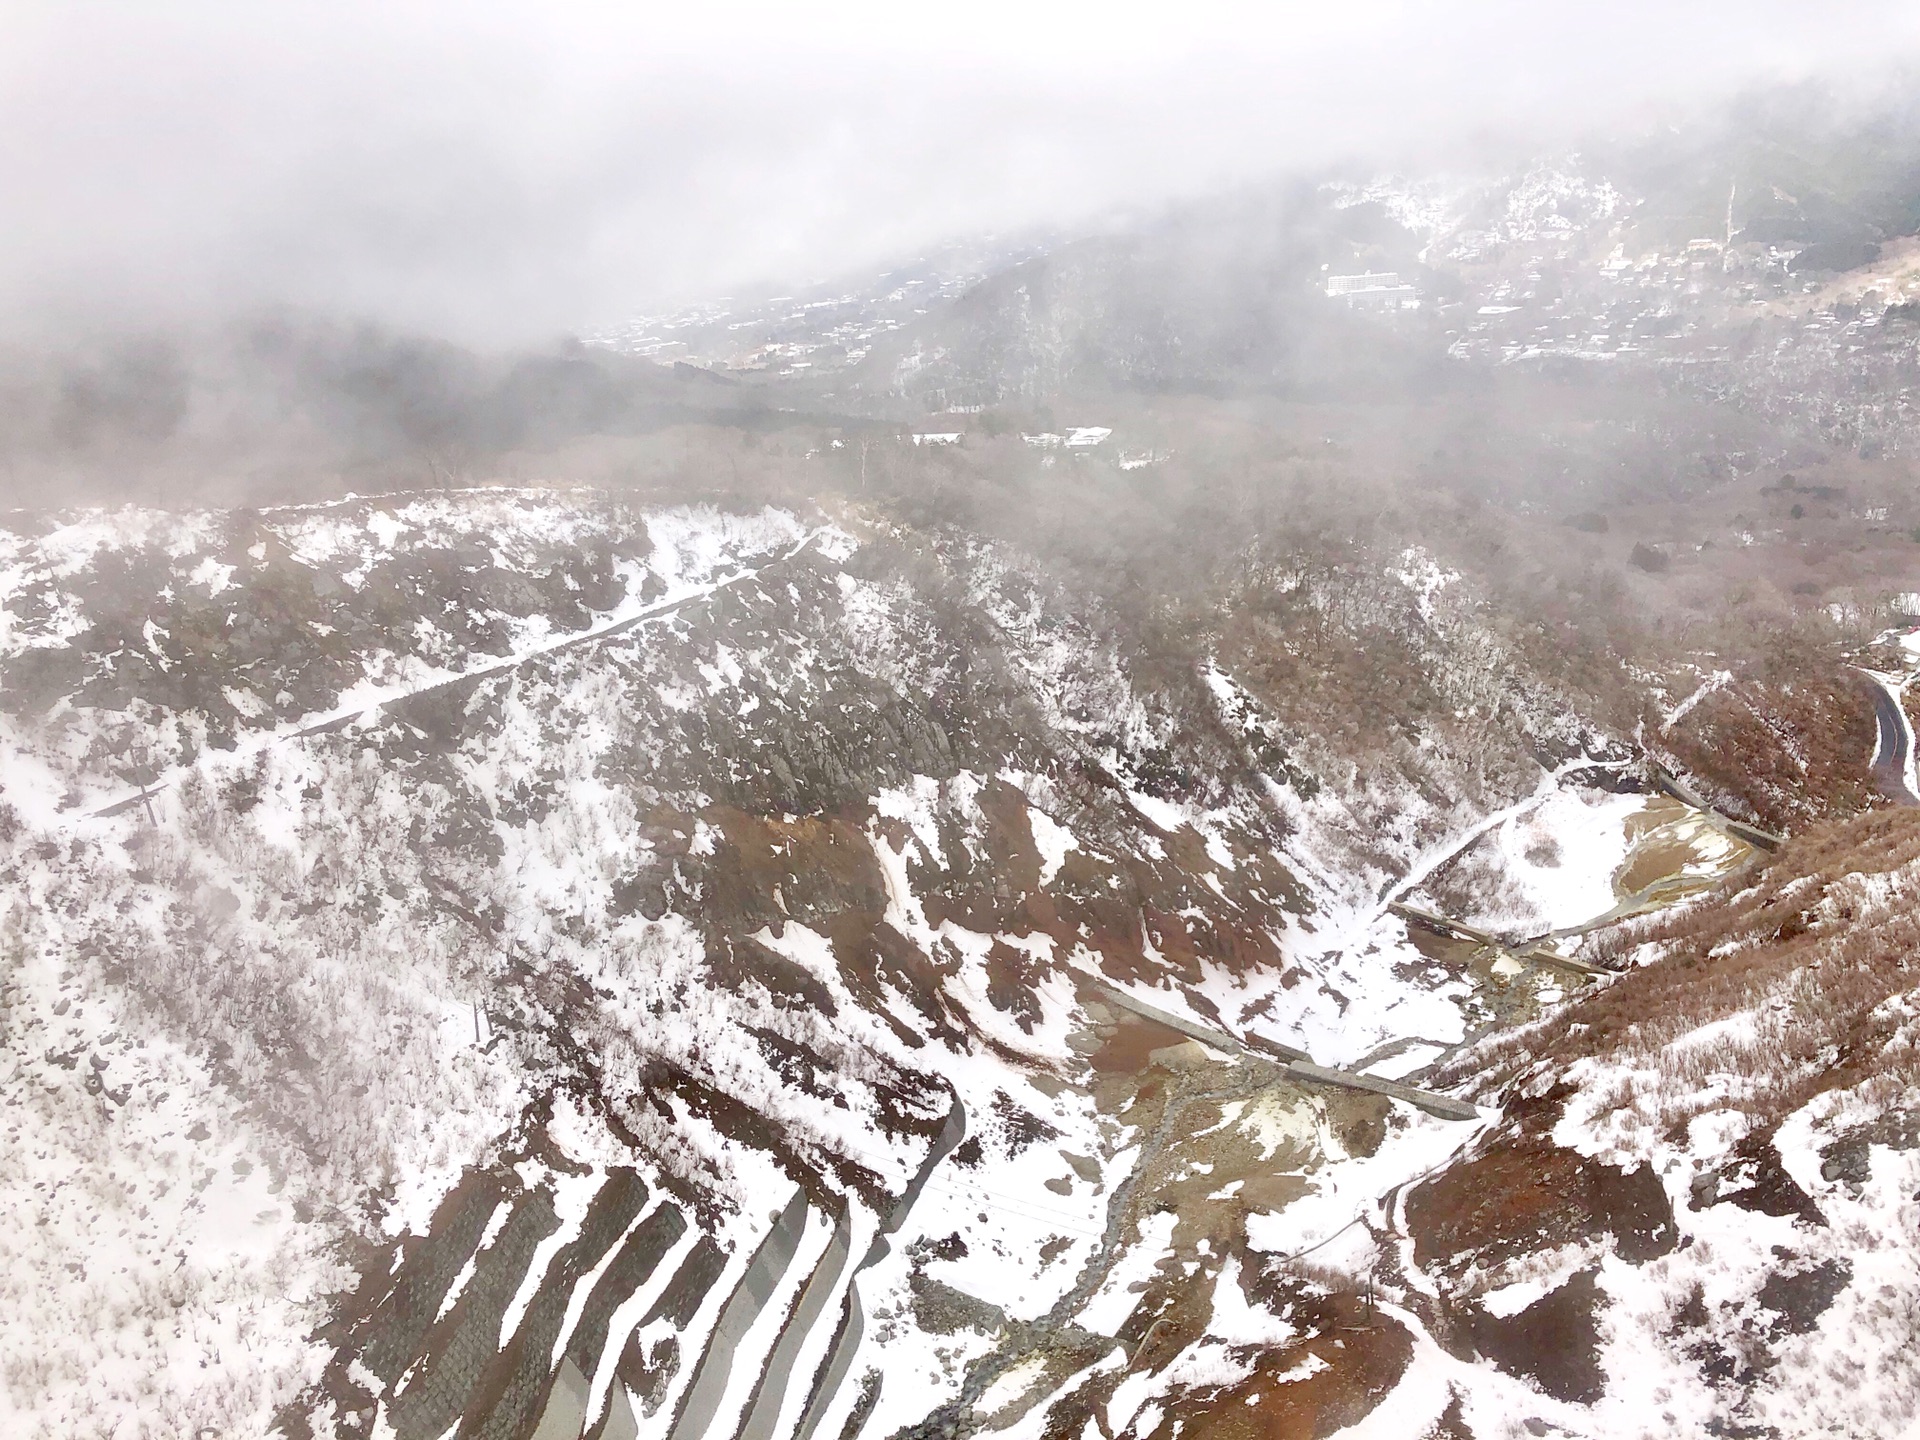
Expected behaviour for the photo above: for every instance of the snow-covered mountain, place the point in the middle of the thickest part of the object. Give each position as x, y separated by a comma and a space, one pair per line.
510, 962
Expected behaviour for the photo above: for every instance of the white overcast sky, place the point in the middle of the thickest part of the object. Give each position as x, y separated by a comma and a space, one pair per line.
513, 170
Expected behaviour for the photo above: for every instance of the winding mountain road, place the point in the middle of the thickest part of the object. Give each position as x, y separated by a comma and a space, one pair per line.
618, 625
1893, 749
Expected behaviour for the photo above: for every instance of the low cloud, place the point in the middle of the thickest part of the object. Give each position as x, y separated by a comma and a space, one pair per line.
500, 172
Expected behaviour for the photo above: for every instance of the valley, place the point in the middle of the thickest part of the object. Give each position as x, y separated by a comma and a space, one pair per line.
1054, 1096
1283, 817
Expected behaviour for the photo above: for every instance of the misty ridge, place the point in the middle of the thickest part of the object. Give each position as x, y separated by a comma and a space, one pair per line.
1216, 297
1247, 402
280, 409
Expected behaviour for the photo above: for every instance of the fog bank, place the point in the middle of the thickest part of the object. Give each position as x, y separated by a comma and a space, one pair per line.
501, 172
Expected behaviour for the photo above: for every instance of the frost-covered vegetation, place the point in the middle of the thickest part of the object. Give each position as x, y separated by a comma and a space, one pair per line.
457, 923
723, 826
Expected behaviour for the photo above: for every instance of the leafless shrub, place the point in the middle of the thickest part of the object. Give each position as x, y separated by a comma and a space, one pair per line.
1796, 964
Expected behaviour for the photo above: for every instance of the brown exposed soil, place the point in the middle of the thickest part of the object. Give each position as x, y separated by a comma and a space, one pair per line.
1524, 1193
1798, 1298
1782, 941
1753, 1178
1519, 1195
1301, 1391
1452, 1424
1128, 1043
1555, 1342
821, 870
747, 1126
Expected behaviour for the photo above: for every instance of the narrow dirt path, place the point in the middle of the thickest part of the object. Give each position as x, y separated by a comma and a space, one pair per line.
338, 719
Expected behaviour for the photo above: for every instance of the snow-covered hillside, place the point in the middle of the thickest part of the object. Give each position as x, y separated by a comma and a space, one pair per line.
508, 963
